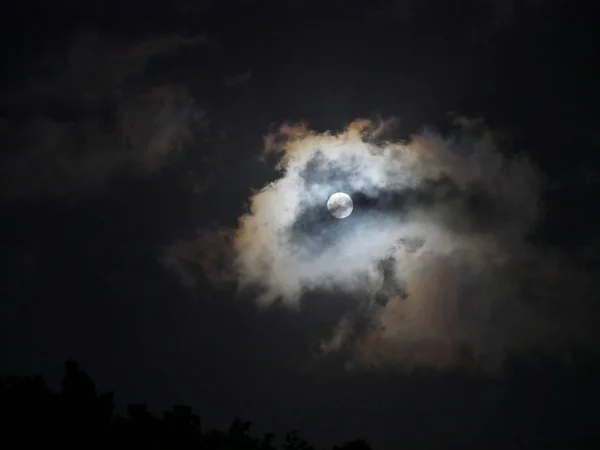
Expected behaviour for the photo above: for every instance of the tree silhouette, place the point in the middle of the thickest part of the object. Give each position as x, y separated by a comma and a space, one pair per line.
81, 406
294, 442
354, 445
79, 416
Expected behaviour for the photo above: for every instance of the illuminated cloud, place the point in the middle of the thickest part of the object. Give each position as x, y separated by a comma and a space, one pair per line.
435, 248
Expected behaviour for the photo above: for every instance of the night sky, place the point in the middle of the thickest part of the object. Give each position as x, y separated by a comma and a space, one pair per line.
132, 137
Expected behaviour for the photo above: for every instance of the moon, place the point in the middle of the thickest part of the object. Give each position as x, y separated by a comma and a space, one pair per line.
340, 205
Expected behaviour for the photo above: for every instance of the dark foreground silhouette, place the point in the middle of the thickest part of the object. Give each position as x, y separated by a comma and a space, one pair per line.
78, 416
536, 405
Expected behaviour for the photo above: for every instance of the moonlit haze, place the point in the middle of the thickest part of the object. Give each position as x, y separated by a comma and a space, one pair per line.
434, 254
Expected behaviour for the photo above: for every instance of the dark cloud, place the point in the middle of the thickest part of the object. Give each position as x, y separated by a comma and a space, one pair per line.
237, 79
482, 19
82, 114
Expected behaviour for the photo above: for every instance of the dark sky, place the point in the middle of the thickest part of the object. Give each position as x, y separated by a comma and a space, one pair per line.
125, 126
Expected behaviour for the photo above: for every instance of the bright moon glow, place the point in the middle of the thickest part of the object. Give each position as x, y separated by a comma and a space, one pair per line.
431, 276
340, 205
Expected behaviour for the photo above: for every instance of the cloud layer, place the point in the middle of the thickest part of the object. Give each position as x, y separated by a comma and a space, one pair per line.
81, 115
435, 252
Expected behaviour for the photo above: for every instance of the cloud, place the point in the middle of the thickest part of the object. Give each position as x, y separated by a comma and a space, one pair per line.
482, 19
211, 251
78, 117
238, 79
436, 248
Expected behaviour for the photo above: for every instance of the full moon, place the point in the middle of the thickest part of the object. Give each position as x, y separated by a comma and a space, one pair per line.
340, 205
